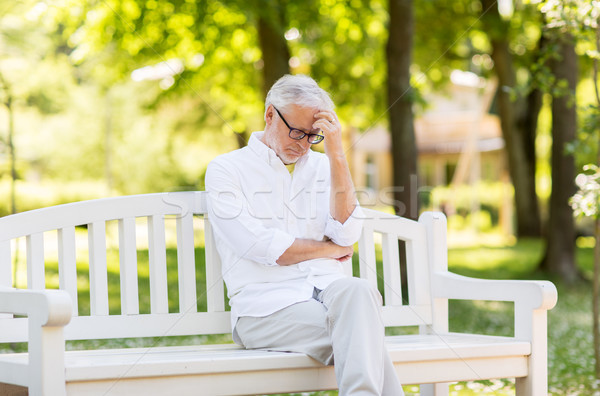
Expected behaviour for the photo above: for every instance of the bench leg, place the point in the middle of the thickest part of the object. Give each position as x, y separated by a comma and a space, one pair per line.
46, 360
529, 386
434, 389
536, 383
535, 329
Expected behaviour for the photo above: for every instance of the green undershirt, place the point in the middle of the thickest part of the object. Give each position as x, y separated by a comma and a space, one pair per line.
290, 167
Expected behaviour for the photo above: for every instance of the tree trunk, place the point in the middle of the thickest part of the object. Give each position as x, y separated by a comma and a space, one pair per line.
13, 156
518, 119
9, 102
404, 148
275, 52
242, 138
560, 233
108, 144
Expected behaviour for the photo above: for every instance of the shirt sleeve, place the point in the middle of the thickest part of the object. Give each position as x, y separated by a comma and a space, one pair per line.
228, 213
348, 233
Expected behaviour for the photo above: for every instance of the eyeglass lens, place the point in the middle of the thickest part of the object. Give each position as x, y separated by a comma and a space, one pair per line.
298, 134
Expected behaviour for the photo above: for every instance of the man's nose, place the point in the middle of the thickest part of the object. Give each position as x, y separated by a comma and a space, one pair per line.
304, 143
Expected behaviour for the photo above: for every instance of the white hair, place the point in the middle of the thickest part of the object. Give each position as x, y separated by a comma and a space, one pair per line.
298, 90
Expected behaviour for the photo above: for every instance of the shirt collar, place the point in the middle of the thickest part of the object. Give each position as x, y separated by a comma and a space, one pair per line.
260, 149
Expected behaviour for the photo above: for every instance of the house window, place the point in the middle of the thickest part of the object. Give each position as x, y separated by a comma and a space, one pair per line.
490, 169
426, 174
450, 169
371, 172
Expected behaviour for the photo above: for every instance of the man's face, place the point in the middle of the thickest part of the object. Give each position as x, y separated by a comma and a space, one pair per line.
277, 133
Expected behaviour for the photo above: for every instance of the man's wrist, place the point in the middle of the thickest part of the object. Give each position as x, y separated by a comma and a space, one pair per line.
337, 156
332, 249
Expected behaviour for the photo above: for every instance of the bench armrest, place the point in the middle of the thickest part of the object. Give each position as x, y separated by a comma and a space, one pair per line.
46, 307
535, 295
48, 311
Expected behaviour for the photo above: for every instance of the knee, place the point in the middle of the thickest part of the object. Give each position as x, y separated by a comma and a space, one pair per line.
357, 288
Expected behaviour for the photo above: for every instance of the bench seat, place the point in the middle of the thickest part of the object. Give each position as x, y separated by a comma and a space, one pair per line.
219, 369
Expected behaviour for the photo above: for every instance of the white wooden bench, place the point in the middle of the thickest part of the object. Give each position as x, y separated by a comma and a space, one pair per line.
45, 318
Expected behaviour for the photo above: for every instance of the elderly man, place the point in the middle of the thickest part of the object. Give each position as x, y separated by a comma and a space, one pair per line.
285, 218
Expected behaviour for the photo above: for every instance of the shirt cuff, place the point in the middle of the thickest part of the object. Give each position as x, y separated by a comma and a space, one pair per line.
348, 233
279, 244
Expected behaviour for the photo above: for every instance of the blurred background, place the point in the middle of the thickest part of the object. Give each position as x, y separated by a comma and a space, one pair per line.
486, 110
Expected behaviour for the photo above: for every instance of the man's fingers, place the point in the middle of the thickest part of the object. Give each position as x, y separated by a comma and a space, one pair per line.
345, 258
329, 116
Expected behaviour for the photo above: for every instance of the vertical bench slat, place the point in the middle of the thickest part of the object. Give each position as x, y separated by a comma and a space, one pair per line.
186, 266
5, 269
98, 270
67, 264
437, 254
35, 261
6, 273
128, 267
391, 270
157, 253
416, 253
215, 290
366, 255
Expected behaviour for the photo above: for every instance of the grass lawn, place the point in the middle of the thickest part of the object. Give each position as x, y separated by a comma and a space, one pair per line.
571, 363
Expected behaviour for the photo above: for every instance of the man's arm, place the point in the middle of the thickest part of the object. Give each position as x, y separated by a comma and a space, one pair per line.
342, 199
248, 236
308, 249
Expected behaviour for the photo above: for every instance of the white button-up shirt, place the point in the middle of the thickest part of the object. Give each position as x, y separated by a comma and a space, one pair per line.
257, 210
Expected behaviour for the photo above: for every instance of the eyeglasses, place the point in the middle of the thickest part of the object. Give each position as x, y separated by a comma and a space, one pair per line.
297, 134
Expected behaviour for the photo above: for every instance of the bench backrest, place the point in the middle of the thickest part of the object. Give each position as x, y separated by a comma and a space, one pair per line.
56, 246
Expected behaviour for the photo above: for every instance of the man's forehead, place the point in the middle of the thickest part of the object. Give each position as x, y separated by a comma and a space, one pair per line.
301, 110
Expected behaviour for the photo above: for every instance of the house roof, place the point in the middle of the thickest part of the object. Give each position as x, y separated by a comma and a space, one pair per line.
449, 133
456, 119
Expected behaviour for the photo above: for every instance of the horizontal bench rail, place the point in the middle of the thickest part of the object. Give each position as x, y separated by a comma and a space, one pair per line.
128, 326
105, 209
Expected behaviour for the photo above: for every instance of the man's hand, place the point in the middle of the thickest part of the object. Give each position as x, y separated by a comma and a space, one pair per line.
328, 122
308, 249
342, 253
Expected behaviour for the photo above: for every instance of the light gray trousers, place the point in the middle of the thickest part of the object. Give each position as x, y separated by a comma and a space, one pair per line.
342, 322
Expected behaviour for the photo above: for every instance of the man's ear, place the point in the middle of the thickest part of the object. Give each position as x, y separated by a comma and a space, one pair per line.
269, 114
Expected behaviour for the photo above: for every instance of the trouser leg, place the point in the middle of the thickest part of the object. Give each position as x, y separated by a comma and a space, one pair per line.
298, 328
349, 313
362, 363
391, 384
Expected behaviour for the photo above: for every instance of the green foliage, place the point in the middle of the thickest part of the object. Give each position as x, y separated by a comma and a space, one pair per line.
458, 203
580, 20
570, 16
586, 202
343, 48
576, 20
94, 122
585, 147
